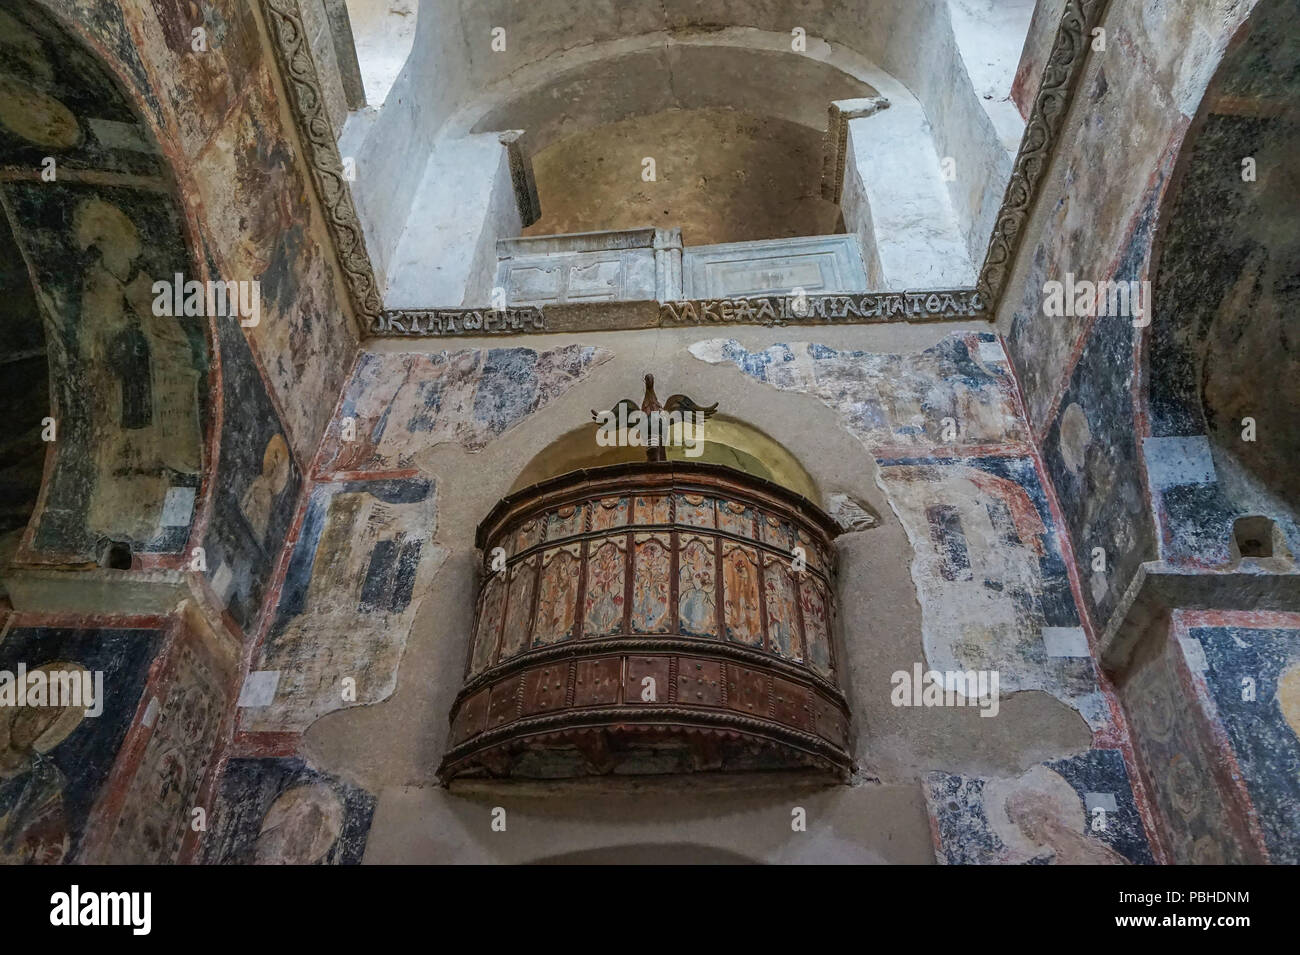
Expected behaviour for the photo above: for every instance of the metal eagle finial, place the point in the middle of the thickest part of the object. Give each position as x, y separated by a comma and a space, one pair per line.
652, 412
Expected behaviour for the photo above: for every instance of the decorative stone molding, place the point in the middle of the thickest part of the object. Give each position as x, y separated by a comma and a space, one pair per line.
1060, 77
836, 144
870, 308
521, 177
298, 68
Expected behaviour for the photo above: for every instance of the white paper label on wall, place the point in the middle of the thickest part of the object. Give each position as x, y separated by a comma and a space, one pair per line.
178, 506
1194, 652
1065, 642
259, 688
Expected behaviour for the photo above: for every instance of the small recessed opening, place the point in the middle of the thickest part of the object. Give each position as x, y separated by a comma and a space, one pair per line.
1253, 536
116, 556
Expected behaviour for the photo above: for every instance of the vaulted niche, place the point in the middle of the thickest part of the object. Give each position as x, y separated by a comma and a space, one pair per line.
125, 388
1223, 349
648, 618
24, 398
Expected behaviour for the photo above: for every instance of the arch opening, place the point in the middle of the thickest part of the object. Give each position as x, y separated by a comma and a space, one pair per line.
1223, 352
724, 441
113, 385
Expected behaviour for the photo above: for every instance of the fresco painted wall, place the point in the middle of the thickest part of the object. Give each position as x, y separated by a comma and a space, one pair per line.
284, 812
1096, 219
174, 746
258, 487
991, 576
24, 396
223, 122
1076, 811
1213, 702
1250, 687
364, 552
360, 567
401, 402
56, 762
130, 392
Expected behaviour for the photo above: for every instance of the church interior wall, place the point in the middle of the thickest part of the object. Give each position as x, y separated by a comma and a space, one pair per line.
285, 653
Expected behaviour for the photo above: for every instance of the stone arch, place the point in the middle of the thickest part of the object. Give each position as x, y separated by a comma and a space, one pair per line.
726, 440
454, 142
96, 223
1220, 362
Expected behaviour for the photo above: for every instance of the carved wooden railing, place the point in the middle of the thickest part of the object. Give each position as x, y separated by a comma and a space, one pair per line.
651, 618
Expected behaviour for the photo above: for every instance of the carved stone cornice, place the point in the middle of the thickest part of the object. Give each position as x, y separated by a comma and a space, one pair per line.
849, 308
1038, 145
307, 103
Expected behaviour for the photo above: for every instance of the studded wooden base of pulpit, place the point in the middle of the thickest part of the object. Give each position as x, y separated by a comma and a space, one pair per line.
663, 617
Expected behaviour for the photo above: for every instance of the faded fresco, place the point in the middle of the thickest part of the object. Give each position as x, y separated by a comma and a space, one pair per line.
191, 697
1091, 454
1184, 764
130, 392
992, 583
220, 110
403, 402
284, 812
988, 566
56, 99
258, 485
362, 564
260, 228
54, 762
24, 397
895, 401
1251, 691
1076, 811
130, 386
989, 570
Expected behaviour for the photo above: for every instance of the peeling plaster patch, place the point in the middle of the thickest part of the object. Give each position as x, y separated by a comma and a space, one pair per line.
1048, 815
1194, 653
990, 577
150, 713
112, 134
1104, 801
1179, 460
892, 400
362, 565
992, 352
1099, 586
178, 507
222, 583
403, 403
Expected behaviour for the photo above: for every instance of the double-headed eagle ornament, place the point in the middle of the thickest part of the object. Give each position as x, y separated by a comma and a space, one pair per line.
655, 420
